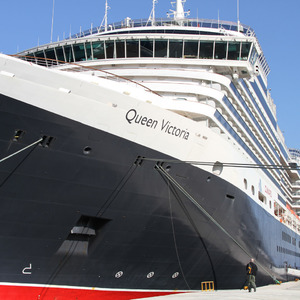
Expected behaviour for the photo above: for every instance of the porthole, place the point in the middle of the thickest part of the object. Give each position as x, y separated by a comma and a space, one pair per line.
253, 190
245, 184
119, 274
208, 179
87, 150
150, 275
175, 275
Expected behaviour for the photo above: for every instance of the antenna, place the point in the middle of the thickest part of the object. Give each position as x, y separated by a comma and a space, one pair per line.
52, 22
239, 26
238, 11
152, 14
105, 17
179, 13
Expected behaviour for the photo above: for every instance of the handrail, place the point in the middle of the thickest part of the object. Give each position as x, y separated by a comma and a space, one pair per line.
54, 62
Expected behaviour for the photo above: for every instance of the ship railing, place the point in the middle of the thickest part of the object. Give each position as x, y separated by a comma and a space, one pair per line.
188, 22
74, 67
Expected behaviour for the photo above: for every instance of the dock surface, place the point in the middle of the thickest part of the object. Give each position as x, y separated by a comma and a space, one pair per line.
284, 291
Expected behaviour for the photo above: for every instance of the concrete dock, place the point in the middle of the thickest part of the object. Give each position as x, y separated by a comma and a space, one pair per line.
284, 291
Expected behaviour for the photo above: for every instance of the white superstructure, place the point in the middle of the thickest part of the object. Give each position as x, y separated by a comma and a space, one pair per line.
212, 73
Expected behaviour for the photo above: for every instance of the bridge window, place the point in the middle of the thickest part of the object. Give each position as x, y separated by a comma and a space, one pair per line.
109, 46
161, 48
69, 53
220, 50
146, 48
132, 48
50, 54
88, 49
206, 50
60, 54
233, 50
245, 50
253, 56
191, 49
98, 50
120, 49
79, 52
175, 49
40, 54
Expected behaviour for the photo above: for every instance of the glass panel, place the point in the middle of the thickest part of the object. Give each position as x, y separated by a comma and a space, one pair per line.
161, 48
175, 49
254, 56
120, 48
69, 54
50, 54
109, 45
191, 49
40, 54
233, 50
206, 49
88, 49
245, 50
79, 52
146, 48
30, 57
41, 57
98, 50
132, 48
51, 58
60, 54
220, 50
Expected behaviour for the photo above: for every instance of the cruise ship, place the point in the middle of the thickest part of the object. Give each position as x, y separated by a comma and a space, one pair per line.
143, 158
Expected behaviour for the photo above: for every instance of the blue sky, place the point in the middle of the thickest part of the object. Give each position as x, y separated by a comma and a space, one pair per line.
25, 24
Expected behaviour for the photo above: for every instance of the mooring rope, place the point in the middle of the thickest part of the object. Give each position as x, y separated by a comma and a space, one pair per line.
171, 179
21, 150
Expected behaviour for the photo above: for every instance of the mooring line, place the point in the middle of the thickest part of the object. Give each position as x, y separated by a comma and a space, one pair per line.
21, 150
171, 179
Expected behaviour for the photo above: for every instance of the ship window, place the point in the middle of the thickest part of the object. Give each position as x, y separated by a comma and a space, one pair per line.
60, 54
175, 49
146, 48
120, 49
50, 54
161, 48
18, 135
206, 49
234, 50
69, 54
88, 51
40, 54
109, 46
253, 190
191, 49
262, 197
220, 50
245, 183
132, 48
245, 50
79, 52
98, 50
253, 56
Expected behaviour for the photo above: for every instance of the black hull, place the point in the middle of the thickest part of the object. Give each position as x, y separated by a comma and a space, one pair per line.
82, 208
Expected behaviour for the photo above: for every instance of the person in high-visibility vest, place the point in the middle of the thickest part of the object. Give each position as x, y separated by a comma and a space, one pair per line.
251, 270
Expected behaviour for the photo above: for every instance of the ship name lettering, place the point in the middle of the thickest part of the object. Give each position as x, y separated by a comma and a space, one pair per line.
173, 130
133, 116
